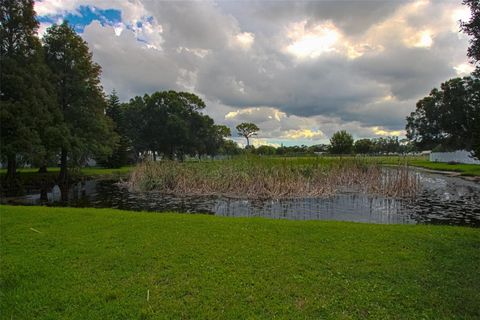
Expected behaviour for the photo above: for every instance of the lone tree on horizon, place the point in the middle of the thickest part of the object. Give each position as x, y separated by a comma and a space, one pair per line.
341, 143
247, 130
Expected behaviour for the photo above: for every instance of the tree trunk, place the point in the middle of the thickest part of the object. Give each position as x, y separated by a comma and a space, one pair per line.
13, 185
42, 169
11, 167
154, 156
63, 176
43, 193
248, 142
64, 191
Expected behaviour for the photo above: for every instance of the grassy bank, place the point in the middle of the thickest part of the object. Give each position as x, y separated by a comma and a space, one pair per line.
463, 169
90, 171
423, 162
59, 263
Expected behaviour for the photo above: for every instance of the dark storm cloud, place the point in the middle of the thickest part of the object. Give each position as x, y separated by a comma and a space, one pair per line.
234, 54
352, 16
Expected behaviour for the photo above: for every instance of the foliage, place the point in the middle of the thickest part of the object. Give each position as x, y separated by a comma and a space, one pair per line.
247, 130
472, 28
363, 146
28, 114
341, 143
265, 150
100, 263
171, 124
122, 149
448, 116
80, 96
230, 148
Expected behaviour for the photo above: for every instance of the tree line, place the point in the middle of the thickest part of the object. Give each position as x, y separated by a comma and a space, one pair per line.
341, 142
164, 124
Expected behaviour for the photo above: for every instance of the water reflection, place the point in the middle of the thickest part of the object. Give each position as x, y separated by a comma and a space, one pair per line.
442, 200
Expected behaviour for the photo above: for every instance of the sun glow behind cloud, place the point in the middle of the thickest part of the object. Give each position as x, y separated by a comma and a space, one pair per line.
311, 43
464, 69
303, 134
379, 131
422, 39
245, 39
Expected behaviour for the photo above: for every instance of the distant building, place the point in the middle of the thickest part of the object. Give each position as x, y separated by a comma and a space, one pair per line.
458, 156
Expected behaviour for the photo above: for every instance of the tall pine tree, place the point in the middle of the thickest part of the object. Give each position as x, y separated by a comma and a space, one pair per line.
80, 97
116, 111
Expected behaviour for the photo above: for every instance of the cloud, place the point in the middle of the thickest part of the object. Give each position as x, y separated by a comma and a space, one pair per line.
382, 132
303, 134
299, 70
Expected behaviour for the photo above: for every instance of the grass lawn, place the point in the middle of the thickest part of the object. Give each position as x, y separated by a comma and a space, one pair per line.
64, 263
423, 162
465, 169
90, 171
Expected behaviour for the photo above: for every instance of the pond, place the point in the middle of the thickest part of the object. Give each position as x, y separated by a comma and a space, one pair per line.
442, 200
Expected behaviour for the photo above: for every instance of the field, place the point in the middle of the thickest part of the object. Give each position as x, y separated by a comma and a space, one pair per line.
64, 263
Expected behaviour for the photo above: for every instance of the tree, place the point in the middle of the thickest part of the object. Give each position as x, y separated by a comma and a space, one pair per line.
171, 124
80, 97
216, 138
341, 143
247, 130
230, 148
363, 146
472, 28
448, 117
27, 114
121, 150
265, 150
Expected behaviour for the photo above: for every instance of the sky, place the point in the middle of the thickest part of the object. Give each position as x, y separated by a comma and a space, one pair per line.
299, 70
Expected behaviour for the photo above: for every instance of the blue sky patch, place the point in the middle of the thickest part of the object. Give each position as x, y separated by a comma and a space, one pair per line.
85, 15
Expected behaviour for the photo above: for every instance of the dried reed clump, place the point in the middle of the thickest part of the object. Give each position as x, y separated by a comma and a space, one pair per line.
257, 180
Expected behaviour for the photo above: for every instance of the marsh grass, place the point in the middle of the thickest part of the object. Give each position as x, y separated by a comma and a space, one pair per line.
273, 178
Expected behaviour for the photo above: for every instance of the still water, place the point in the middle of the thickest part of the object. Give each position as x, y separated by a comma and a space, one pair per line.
442, 200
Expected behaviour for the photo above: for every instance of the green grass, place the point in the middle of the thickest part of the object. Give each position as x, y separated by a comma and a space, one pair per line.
423, 162
99, 264
464, 169
90, 171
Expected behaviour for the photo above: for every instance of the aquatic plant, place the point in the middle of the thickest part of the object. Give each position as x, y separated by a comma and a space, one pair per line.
272, 178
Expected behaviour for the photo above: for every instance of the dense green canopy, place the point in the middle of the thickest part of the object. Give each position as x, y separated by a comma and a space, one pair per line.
80, 97
341, 143
28, 112
171, 124
448, 117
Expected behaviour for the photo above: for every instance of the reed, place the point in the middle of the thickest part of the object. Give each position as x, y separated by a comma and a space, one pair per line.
273, 178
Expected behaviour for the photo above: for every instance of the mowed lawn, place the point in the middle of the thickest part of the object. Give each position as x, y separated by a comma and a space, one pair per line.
464, 169
64, 263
